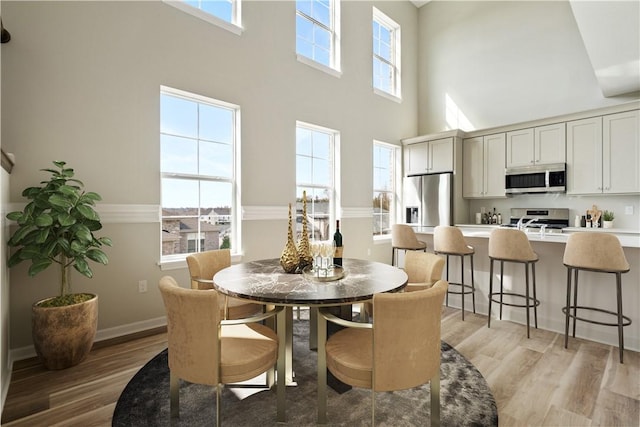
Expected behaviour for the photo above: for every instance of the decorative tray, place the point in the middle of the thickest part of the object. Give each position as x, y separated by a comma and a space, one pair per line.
336, 273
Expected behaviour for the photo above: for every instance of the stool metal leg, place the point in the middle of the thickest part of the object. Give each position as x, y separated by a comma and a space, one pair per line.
462, 283
575, 300
490, 291
473, 287
535, 297
501, 288
620, 331
447, 295
567, 309
528, 303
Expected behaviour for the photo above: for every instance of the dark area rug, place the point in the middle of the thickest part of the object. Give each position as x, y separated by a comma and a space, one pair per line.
465, 398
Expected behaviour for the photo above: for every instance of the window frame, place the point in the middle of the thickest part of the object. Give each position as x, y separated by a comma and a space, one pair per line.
395, 187
234, 179
234, 26
396, 55
335, 64
334, 192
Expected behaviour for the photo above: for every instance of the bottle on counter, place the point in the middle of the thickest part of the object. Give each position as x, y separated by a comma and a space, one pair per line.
337, 239
583, 221
577, 221
494, 217
499, 218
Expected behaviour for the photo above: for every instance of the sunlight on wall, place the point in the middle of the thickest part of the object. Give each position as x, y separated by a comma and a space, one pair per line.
454, 117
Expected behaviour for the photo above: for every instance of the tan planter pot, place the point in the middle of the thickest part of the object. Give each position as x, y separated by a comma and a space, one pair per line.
63, 336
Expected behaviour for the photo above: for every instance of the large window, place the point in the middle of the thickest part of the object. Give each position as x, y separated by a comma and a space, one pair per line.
384, 187
224, 13
315, 174
317, 31
386, 54
199, 139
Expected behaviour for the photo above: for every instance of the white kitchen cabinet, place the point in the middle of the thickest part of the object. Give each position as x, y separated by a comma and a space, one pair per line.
429, 157
536, 146
603, 153
483, 164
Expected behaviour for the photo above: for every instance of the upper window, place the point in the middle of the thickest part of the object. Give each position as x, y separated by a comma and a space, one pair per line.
384, 187
386, 54
198, 144
317, 31
316, 174
223, 13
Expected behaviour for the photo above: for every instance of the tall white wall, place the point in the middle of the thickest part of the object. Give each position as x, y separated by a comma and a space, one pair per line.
81, 83
491, 63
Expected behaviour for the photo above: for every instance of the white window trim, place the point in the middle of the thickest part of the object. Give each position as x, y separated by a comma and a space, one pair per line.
397, 187
235, 27
335, 203
396, 95
179, 260
335, 63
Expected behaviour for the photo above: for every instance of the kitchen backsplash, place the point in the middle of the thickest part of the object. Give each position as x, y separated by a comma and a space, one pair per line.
577, 205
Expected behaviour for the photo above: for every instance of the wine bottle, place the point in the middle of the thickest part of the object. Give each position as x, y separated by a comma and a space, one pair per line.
337, 239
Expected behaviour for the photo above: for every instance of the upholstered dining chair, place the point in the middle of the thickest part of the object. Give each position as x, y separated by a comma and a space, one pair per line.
398, 351
424, 269
205, 349
203, 266
404, 238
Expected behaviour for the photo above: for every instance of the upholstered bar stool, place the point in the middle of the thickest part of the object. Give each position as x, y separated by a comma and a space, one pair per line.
511, 245
449, 241
600, 253
404, 238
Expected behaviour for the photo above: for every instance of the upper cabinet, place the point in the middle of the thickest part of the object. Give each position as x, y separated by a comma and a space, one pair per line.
603, 153
483, 160
429, 157
536, 146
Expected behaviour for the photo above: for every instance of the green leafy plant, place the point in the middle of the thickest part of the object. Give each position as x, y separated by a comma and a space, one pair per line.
608, 216
57, 226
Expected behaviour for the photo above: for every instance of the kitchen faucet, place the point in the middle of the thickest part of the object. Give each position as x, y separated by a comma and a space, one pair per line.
520, 226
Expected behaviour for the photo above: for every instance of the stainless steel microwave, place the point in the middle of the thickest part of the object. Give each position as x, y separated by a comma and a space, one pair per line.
551, 178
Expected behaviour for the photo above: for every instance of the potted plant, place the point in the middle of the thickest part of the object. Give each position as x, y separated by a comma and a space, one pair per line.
607, 219
56, 227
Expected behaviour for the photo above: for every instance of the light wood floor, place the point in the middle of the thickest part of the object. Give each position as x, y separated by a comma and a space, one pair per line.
535, 381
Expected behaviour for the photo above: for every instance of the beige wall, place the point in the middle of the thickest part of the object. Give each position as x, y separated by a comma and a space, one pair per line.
81, 83
503, 62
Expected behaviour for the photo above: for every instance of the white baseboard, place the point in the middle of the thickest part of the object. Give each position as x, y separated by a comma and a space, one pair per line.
101, 335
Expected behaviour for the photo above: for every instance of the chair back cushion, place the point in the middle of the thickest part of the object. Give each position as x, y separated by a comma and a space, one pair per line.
595, 251
510, 244
448, 239
403, 236
423, 268
193, 319
406, 337
204, 265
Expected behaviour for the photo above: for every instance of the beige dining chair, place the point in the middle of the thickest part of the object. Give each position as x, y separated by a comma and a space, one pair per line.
423, 270
203, 266
404, 238
397, 351
205, 349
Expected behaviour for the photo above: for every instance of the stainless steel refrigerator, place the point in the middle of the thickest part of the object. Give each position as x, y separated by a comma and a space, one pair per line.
428, 199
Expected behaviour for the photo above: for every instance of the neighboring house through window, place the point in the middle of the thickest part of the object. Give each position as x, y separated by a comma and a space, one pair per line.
199, 140
316, 174
386, 55
385, 157
223, 13
318, 32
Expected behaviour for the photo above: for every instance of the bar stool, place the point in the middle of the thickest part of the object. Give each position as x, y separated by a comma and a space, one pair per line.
448, 241
512, 245
404, 238
601, 253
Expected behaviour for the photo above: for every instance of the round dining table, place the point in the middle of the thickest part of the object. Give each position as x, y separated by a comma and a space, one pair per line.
266, 282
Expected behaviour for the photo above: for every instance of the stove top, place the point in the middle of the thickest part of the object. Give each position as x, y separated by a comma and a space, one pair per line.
552, 219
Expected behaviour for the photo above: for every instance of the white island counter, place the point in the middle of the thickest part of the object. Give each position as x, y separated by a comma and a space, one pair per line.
551, 278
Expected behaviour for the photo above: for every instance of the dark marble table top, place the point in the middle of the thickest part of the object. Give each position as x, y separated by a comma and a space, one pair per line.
266, 281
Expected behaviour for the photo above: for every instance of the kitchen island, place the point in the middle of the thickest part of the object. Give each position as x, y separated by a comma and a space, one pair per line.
551, 278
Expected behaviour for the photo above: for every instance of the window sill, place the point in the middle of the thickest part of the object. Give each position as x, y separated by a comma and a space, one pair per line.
178, 262
387, 95
319, 66
233, 28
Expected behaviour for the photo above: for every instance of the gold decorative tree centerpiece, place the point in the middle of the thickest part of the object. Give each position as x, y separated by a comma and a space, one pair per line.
289, 259
304, 248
